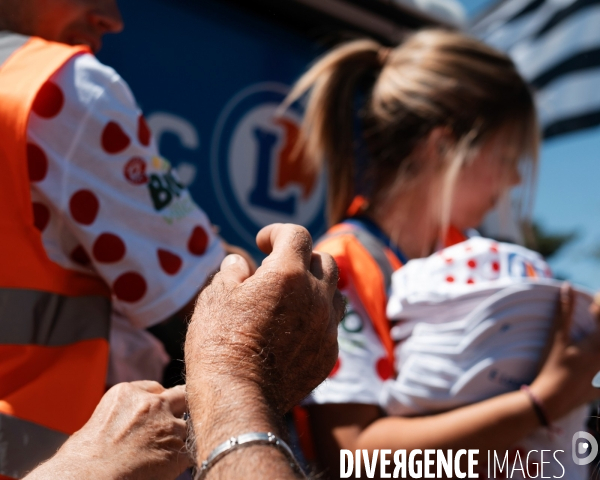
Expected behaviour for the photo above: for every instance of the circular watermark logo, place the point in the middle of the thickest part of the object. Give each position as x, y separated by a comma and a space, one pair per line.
585, 448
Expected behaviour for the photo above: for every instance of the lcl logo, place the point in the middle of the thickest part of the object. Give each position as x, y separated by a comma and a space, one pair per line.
257, 170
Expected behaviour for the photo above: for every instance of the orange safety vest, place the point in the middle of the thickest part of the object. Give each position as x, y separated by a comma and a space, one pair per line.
368, 264
365, 262
54, 322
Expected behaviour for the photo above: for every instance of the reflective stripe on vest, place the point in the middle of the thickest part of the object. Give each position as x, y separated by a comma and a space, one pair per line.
24, 445
376, 249
53, 321
31, 317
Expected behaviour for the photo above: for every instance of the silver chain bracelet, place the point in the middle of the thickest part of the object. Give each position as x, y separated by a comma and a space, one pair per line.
254, 438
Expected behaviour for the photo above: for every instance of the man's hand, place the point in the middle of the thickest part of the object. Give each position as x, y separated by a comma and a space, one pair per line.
258, 344
232, 249
136, 432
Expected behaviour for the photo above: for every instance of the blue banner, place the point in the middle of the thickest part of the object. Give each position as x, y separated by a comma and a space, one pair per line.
209, 78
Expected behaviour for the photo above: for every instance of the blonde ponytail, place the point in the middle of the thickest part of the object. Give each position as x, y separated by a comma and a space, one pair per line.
436, 78
328, 127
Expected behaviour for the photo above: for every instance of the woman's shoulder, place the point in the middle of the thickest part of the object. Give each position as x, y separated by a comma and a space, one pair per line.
342, 243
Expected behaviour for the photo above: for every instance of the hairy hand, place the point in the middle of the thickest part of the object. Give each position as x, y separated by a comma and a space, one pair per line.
275, 330
136, 432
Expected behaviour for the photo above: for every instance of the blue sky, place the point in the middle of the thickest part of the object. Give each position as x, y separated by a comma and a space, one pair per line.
568, 195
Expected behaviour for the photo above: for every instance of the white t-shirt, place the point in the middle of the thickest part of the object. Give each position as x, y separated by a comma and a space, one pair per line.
107, 203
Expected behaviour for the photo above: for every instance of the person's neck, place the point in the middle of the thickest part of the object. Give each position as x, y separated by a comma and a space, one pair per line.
409, 223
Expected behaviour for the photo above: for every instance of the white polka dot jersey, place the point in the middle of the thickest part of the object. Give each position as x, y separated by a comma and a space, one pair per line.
106, 202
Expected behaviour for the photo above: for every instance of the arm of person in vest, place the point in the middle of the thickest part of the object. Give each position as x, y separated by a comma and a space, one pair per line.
563, 384
107, 203
257, 345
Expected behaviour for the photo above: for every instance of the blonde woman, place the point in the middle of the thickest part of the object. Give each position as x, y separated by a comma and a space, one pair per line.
420, 142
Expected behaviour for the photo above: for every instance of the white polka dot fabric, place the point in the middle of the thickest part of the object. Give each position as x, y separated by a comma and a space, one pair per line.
471, 323
363, 365
106, 202
476, 265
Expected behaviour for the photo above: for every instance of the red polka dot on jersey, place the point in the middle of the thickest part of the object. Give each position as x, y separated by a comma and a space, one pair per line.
108, 248
472, 264
470, 281
335, 368
495, 266
130, 287
49, 100
80, 256
37, 163
198, 241
449, 260
169, 262
114, 139
385, 369
41, 216
468, 248
143, 131
450, 279
84, 206
494, 248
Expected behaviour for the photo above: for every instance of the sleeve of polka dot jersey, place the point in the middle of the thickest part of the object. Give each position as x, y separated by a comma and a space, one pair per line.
105, 200
362, 364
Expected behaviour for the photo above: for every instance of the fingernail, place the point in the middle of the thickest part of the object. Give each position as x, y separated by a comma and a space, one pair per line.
230, 260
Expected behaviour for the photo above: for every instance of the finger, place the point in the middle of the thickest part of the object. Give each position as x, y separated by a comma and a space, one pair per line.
234, 270
229, 249
149, 386
324, 268
559, 336
566, 311
180, 428
175, 398
285, 241
562, 320
553, 338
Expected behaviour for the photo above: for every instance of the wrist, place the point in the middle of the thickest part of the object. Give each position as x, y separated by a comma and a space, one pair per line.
538, 407
222, 407
546, 401
72, 463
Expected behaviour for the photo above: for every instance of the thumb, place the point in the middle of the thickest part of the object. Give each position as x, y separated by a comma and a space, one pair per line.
566, 308
560, 333
234, 270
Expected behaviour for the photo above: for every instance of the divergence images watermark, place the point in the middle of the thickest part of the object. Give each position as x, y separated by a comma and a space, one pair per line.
462, 463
